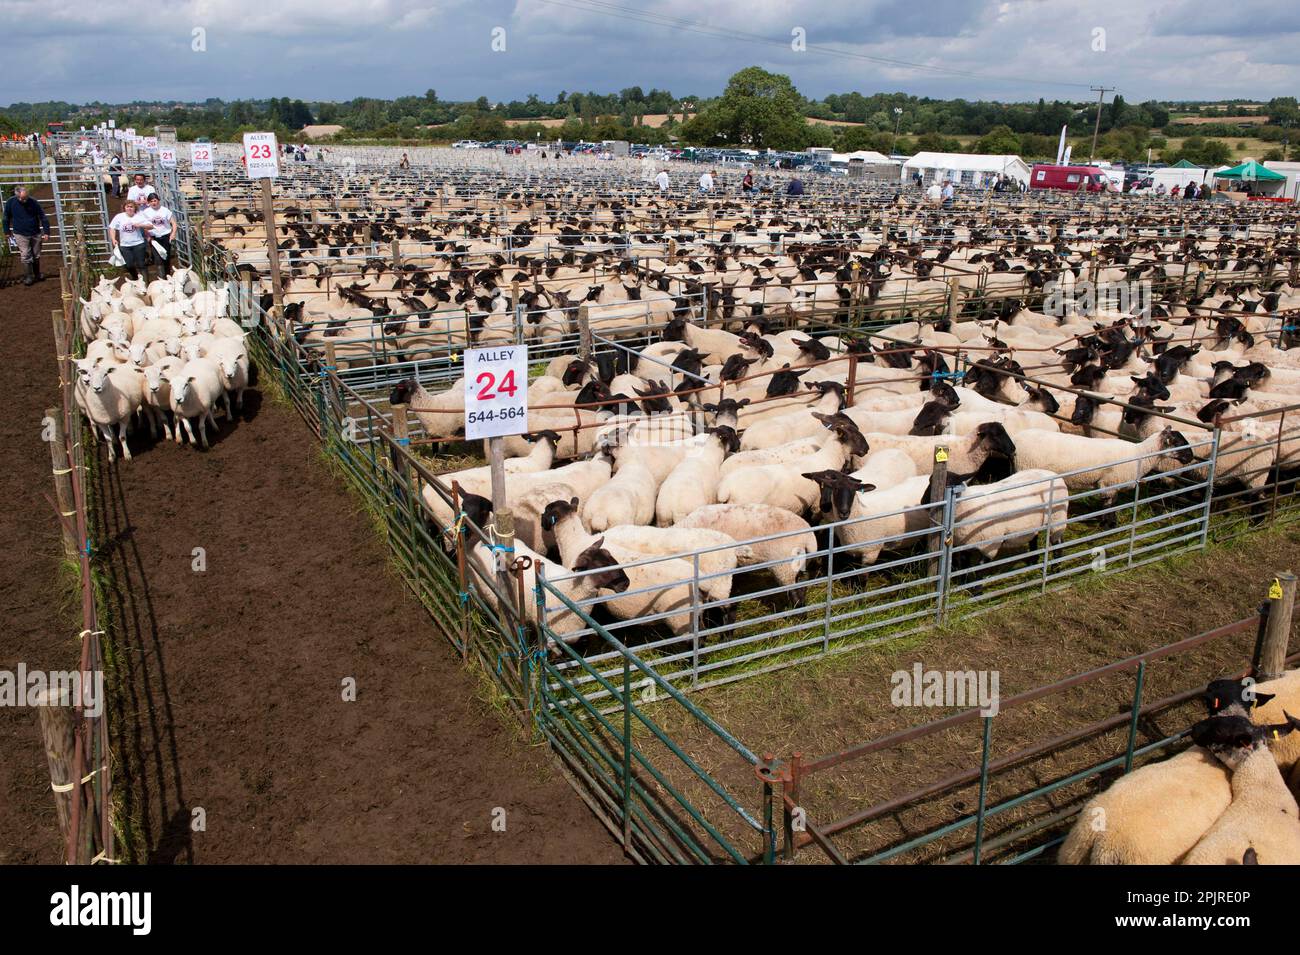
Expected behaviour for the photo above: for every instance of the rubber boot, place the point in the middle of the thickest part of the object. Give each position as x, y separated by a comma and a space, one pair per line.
30, 277
36, 269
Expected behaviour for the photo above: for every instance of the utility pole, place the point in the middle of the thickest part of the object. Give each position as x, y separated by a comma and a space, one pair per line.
1101, 92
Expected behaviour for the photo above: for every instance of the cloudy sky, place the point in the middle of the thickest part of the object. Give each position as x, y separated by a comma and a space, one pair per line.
336, 49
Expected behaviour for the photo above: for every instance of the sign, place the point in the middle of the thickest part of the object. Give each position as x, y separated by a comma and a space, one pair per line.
496, 391
262, 155
201, 157
151, 144
167, 157
112, 124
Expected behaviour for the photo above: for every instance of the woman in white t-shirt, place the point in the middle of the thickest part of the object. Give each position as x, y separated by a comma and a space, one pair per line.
128, 230
163, 226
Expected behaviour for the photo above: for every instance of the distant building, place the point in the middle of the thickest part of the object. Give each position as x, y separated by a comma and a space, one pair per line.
966, 169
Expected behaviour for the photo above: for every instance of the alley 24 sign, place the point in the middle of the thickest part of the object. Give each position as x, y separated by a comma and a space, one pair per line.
496, 391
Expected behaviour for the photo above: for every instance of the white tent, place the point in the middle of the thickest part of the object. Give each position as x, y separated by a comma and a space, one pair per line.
1292, 172
868, 156
970, 169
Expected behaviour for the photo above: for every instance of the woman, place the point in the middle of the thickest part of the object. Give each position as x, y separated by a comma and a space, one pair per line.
747, 184
128, 231
162, 226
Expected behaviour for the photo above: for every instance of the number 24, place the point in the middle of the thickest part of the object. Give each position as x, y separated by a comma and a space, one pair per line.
487, 380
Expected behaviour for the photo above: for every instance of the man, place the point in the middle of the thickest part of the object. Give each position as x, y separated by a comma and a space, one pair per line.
116, 175
661, 180
1189, 192
25, 220
795, 188
706, 181
948, 193
140, 192
934, 194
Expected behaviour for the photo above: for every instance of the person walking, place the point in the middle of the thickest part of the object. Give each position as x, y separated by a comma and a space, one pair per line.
795, 187
140, 190
25, 220
948, 193
405, 163
163, 225
934, 195
128, 231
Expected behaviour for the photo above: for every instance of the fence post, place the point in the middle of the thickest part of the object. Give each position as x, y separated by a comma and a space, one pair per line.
60, 742
954, 292
627, 752
584, 334
984, 789
1133, 721
938, 484
1277, 631
397, 255
63, 483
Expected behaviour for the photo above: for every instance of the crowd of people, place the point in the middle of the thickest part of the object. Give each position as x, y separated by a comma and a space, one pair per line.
142, 232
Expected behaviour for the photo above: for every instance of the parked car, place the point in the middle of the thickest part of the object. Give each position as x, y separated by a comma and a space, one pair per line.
1069, 178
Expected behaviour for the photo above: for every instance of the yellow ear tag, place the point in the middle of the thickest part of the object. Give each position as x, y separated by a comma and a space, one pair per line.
855, 266
1275, 734
941, 455
1275, 590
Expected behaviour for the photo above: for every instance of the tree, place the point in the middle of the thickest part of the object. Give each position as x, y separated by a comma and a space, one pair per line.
758, 109
999, 141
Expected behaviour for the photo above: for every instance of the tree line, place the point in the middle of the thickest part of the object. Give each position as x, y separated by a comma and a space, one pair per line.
758, 109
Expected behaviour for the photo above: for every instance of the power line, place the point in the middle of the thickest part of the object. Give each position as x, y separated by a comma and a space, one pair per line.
688, 26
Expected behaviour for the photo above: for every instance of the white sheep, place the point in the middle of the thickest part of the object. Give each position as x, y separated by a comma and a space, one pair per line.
693, 483
1088, 463
156, 398
231, 358
627, 498
109, 394
196, 387
1263, 814
784, 485
784, 555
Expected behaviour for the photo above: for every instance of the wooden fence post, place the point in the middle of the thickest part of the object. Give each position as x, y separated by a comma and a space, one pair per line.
1277, 631
272, 247
63, 484
938, 488
584, 334
954, 298
56, 715
397, 255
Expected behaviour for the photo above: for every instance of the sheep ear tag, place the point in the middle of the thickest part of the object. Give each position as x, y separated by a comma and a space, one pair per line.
941, 455
1275, 590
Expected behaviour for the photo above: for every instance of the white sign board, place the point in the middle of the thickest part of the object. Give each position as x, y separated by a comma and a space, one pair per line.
262, 155
496, 391
167, 157
112, 124
201, 157
151, 144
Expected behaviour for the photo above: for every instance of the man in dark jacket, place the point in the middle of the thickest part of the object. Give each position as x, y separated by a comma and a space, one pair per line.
25, 220
795, 188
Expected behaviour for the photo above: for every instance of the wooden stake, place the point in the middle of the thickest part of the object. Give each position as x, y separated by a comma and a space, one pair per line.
1277, 632
938, 488
63, 484
272, 246
584, 334
56, 715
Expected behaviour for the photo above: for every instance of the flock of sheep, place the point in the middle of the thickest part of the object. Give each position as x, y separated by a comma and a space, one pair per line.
163, 356
1223, 801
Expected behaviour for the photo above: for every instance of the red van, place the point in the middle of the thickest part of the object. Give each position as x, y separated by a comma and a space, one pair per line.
1072, 178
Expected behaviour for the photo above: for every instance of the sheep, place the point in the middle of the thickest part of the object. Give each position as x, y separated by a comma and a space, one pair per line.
657, 591
1154, 815
693, 483
992, 519
784, 556
781, 454
785, 485
627, 498
770, 432
1088, 463
109, 395
630, 543
156, 397
231, 358
1262, 702
439, 414
559, 619
967, 454
1263, 814
885, 468
872, 514
196, 387
539, 459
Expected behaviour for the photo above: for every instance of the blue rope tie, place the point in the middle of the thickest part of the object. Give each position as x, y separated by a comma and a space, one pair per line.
504, 550
403, 441
88, 547
948, 374
464, 597
1291, 328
